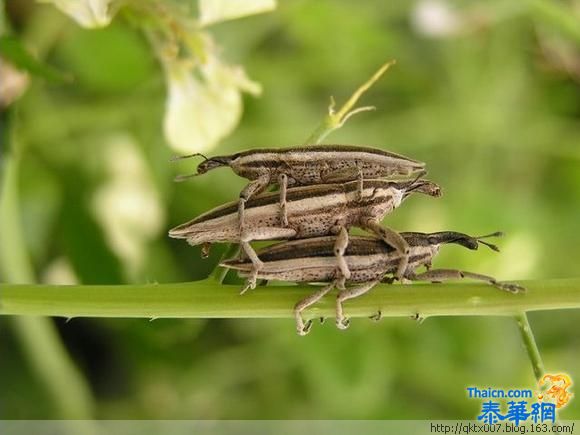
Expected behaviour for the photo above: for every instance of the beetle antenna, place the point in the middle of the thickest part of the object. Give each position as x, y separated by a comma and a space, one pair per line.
490, 245
411, 183
189, 156
180, 178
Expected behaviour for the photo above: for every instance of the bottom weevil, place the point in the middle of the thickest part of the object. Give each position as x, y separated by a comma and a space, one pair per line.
369, 261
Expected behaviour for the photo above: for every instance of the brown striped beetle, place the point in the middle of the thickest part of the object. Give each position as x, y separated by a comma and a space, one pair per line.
304, 166
312, 211
368, 260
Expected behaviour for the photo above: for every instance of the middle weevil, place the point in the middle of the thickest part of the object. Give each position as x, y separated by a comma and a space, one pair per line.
312, 211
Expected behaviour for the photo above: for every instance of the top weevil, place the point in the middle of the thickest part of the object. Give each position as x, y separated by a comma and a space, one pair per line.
307, 165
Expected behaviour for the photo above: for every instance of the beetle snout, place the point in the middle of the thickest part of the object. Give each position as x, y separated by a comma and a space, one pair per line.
432, 189
468, 242
424, 186
464, 240
214, 162
453, 237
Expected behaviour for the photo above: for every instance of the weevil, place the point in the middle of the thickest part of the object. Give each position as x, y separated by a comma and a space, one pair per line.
307, 165
369, 260
326, 209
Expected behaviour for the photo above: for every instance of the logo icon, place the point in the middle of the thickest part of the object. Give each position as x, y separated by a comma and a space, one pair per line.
558, 391
553, 394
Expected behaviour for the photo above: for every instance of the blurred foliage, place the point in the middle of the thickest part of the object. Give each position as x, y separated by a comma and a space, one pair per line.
487, 93
12, 50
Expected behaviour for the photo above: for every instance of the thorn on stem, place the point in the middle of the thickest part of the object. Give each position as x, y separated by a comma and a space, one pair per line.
331, 106
354, 112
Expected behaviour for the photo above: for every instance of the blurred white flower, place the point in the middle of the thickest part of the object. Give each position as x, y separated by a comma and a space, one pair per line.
87, 13
214, 11
205, 104
60, 272
127, 205
13, 83
435, 18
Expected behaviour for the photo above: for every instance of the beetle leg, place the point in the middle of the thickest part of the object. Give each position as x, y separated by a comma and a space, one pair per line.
341, 321
283, 183
247, 192
388, 279
259, 233
205, 248
360, 177
339, 249
304, 327
257, 264
391, 238
417, 317
439, 275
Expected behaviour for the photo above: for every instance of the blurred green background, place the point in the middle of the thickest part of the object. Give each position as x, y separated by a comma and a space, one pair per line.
487, 93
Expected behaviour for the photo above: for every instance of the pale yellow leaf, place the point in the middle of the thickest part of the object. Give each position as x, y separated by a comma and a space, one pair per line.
87, 13
202, 109
215, 11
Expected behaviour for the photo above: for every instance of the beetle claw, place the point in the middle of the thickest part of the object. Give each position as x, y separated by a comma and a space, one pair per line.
304, 329
343, 323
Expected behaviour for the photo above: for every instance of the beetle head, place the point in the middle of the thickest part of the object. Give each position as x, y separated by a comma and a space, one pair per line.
422, 186
470, 242
206, 165
214, 162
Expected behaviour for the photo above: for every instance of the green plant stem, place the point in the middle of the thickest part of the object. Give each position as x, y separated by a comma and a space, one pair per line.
336, 119
530, 345
208, 299
38, 337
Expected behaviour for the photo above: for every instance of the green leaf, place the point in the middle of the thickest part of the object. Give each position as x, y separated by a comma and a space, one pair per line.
2, 17
81, 237
13, 50
110, 60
